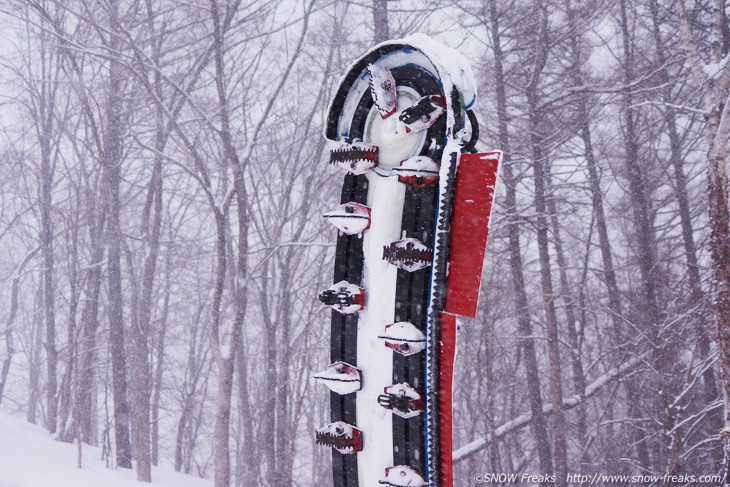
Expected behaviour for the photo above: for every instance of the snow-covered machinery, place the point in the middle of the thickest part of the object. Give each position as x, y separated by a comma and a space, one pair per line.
413, 223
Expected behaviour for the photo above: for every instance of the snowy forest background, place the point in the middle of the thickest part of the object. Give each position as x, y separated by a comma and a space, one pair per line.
162, 179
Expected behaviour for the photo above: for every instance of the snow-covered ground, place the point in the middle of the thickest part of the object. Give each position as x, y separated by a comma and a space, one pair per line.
29, 457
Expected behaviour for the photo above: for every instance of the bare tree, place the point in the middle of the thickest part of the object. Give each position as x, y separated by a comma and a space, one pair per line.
380, 21
713, 77
521, 300
10, 322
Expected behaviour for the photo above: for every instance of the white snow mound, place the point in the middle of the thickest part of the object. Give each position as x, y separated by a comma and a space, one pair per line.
30, 457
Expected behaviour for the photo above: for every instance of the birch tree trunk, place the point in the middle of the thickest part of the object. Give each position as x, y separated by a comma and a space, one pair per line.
713, 78
685, 214
226, 360
247, 468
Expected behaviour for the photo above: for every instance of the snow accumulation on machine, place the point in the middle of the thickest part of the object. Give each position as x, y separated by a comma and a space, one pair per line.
413, 222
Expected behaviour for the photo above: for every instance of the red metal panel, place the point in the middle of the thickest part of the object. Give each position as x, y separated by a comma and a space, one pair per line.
447, 329
475, 180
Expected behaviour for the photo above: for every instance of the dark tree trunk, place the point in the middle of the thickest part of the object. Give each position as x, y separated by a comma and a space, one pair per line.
67, 428
159, 368
9, 341
527, 343
380, 21
151, 227
646, 248
579, 382
720, 251
638, 191
248, 473
49, 311
609, 272
594, 180
225, 361
685, 215
112, 159
34, 358
271, 377
12, 313
283, 426
89, 326
541, 169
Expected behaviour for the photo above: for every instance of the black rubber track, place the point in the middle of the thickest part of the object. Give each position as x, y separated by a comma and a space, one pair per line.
412, 288
343, 331
348, 266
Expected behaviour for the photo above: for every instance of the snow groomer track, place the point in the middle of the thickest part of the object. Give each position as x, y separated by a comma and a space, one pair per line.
413, 223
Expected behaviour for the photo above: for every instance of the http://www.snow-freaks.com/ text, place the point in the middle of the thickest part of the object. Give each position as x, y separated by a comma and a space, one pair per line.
595, 479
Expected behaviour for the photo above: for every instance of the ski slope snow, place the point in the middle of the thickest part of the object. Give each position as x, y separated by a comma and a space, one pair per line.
30, 457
